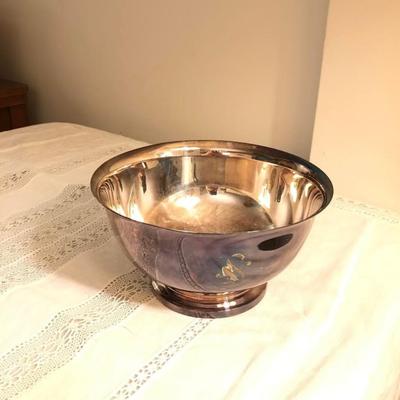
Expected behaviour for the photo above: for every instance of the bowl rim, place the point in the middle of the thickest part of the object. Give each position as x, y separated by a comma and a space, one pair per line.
318, 176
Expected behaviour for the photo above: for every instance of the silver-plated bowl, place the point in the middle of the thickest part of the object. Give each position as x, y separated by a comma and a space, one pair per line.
211, 222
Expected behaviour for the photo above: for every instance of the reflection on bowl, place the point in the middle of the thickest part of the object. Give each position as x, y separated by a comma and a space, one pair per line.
211, 222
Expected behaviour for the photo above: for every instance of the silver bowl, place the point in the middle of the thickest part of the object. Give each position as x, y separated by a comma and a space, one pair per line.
210, 222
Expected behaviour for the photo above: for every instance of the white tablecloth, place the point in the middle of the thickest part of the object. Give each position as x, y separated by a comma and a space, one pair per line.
77, 321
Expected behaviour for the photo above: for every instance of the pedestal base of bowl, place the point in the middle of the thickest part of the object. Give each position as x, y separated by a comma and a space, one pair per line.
208, 305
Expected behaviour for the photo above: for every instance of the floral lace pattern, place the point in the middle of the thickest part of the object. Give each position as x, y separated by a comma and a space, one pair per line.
40, 240
15, 180
23, 174
68, 332
367, 210
144, 374
78, 160
72, 194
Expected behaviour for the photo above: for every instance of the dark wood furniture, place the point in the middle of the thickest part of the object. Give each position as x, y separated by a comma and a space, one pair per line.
13, 108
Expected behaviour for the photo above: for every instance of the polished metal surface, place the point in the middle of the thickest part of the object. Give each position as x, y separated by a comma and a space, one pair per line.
242, 210
208, 304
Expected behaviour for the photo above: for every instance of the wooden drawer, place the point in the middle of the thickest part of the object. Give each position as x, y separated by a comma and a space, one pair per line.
13, 108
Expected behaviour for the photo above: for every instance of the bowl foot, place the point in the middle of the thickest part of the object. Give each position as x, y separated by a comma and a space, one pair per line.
208, 305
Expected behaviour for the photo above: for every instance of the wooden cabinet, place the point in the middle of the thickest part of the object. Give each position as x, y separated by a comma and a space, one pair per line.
13, 108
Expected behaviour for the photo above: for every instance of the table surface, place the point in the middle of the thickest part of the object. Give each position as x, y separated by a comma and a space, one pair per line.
78, 321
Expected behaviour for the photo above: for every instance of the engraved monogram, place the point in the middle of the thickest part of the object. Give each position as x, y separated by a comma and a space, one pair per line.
233, 268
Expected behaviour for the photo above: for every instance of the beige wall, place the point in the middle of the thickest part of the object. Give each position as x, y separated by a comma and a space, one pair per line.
357, 128
170, 69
